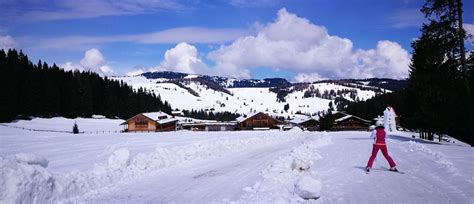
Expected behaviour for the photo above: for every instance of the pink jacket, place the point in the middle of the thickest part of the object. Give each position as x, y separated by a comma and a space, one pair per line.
379, 136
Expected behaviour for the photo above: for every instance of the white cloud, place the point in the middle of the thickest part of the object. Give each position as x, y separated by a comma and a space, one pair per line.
469, 28
93, 61
253, 3
403, 18
183, 58
73, 9
469, 31
295, 44
7, 42
69, 66
93, 58
135, 72
388, 60
173, 35
303, 77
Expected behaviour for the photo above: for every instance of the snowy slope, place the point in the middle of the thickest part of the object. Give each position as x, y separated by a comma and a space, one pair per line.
242, 100
226, 167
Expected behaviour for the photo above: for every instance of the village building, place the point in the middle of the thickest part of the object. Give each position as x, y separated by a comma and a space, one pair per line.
349, 122
150, 122
305, 123
177, 113
209, 126
257, 121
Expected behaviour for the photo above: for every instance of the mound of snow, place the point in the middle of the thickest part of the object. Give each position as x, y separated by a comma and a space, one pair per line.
288, 179
26, 180
299, 165
120, 159
308, 188
295, 129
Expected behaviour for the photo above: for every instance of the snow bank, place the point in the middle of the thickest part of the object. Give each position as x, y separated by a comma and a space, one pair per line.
26, 179
119, 159
290, 178
438, 157
32, 159
308, 187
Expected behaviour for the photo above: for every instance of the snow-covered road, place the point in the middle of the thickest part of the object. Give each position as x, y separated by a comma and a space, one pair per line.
212, 180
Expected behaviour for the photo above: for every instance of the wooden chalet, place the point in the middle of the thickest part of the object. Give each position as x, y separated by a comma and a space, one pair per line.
150, 122
306, 123
257, 121
350, 122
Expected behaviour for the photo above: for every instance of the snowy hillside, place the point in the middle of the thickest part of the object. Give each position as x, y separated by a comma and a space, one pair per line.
194, 94
226, 167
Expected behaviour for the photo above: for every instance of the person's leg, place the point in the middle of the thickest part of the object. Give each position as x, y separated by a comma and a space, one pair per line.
375, 149
385, 154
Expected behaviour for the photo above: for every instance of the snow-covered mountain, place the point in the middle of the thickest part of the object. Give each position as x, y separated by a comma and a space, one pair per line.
214, 93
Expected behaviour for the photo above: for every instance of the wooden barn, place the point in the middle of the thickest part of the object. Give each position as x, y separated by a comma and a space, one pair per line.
150, 122
255, 121
350, 122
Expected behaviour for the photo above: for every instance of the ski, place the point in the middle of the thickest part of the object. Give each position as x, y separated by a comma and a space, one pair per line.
397, 171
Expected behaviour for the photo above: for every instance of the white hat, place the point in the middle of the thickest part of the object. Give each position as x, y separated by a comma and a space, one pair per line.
379, 123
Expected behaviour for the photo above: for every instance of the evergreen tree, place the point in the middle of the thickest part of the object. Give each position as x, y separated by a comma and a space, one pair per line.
326, 121
439, 83
75, 129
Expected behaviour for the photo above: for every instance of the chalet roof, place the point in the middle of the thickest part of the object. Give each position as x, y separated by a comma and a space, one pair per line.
246, 116
176, 112
152, 116
350, 116
155, 115
299, 120
165, 121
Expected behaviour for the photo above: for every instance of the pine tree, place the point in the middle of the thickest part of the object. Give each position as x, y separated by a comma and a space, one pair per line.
439, 83
75, 129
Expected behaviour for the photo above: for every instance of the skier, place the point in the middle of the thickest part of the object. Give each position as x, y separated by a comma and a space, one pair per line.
379, 144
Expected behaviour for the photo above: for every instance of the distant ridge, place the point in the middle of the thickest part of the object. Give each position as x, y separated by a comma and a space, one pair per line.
225, 82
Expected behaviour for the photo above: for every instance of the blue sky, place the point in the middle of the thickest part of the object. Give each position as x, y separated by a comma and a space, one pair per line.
301, 40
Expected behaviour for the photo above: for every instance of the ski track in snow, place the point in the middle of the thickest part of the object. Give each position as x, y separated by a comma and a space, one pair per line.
425, 180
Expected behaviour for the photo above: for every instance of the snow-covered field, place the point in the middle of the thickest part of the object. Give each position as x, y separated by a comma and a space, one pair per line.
223, 167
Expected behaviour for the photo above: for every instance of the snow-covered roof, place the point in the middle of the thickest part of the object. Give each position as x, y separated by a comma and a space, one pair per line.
164, 121
299, 120
246, 116
350, 116
155, 115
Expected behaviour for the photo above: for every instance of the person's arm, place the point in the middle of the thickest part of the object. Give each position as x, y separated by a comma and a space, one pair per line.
373, 135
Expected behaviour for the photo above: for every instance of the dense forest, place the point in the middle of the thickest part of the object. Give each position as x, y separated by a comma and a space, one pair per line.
42, 90
439, 97
209, 115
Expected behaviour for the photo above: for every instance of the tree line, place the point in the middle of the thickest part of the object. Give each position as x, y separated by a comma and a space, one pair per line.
439, 97
209, 115
41, 90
